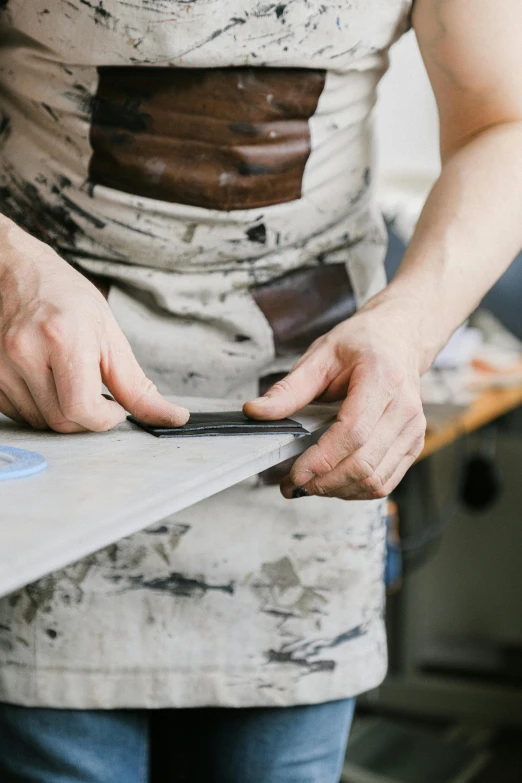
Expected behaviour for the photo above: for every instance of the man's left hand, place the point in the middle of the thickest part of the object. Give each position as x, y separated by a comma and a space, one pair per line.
371, 362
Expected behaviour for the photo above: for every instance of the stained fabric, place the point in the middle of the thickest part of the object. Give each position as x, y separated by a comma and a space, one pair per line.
194, 154
220, 138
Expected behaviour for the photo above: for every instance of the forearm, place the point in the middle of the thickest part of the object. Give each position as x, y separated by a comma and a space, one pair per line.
469, 232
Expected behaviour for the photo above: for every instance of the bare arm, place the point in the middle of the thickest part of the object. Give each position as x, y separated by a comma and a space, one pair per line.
469, 232
471, 226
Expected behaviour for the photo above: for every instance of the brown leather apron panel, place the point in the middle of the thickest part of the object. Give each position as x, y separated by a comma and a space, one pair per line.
305, 304
220, 138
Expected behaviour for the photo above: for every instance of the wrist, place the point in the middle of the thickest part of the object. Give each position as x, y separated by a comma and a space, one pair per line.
408, 319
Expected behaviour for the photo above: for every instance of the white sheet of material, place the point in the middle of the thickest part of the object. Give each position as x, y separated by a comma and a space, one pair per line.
98, 488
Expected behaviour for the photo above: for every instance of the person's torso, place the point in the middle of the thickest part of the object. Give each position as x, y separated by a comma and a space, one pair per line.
192, 134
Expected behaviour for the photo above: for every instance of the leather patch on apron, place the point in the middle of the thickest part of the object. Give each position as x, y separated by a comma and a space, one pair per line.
219, 138
301, 306
305, 304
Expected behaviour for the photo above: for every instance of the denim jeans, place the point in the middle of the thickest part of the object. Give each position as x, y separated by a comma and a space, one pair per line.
208, 745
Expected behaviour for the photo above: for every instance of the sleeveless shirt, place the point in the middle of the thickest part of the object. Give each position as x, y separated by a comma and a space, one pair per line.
191, 151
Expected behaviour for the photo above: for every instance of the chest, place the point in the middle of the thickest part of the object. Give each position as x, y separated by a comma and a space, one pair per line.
210, 33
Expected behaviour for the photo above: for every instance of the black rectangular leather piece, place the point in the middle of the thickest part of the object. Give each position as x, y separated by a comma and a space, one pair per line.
223, 423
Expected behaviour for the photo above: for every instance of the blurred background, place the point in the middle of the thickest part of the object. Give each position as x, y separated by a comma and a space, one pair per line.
450, 710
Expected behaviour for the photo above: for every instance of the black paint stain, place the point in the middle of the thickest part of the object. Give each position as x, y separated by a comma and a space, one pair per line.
80, 96
280, 9
264, 10
189, 232
100, 13
72, 207
346, 636
128, 116
279, 613
52, 223
303, 654
242, 338
177, 529
244, 128
50, 112
233, 23
5, 129
51, 633
128, 227
257, 234
275, 656
177, 584
253, 169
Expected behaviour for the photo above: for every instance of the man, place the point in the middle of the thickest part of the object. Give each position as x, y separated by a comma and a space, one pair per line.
211, 163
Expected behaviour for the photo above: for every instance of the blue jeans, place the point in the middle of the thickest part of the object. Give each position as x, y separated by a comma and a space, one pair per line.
209, 745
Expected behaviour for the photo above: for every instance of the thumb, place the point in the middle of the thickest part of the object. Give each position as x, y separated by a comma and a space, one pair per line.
137, 394
301, 386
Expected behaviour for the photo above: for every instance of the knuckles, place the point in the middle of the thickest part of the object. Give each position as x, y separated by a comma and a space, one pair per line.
412, 409
374, 487
362, 469
146, 387
19, 341
322, 491
55, 330
352, 435
17, 344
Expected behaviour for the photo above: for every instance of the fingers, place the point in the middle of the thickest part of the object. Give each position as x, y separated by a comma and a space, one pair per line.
41, 382
7, 408
363, 408
398, 461
358, 478
72, 394
307, 381
135, 392
58, 338
64, 391
19, 398
65, 396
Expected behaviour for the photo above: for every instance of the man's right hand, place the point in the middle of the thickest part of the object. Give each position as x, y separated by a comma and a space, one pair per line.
59, 342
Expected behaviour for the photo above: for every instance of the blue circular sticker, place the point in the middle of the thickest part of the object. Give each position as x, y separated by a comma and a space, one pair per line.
17, 463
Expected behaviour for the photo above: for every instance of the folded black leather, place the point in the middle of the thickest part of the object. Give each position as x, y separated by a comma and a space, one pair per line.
223, 423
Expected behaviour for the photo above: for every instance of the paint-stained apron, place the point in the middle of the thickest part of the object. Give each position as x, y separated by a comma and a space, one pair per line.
212, 161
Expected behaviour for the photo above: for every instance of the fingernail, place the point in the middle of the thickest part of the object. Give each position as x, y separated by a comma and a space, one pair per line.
299, 492
303, 478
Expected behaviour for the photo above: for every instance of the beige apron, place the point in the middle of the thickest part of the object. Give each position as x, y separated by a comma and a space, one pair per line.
190, 151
